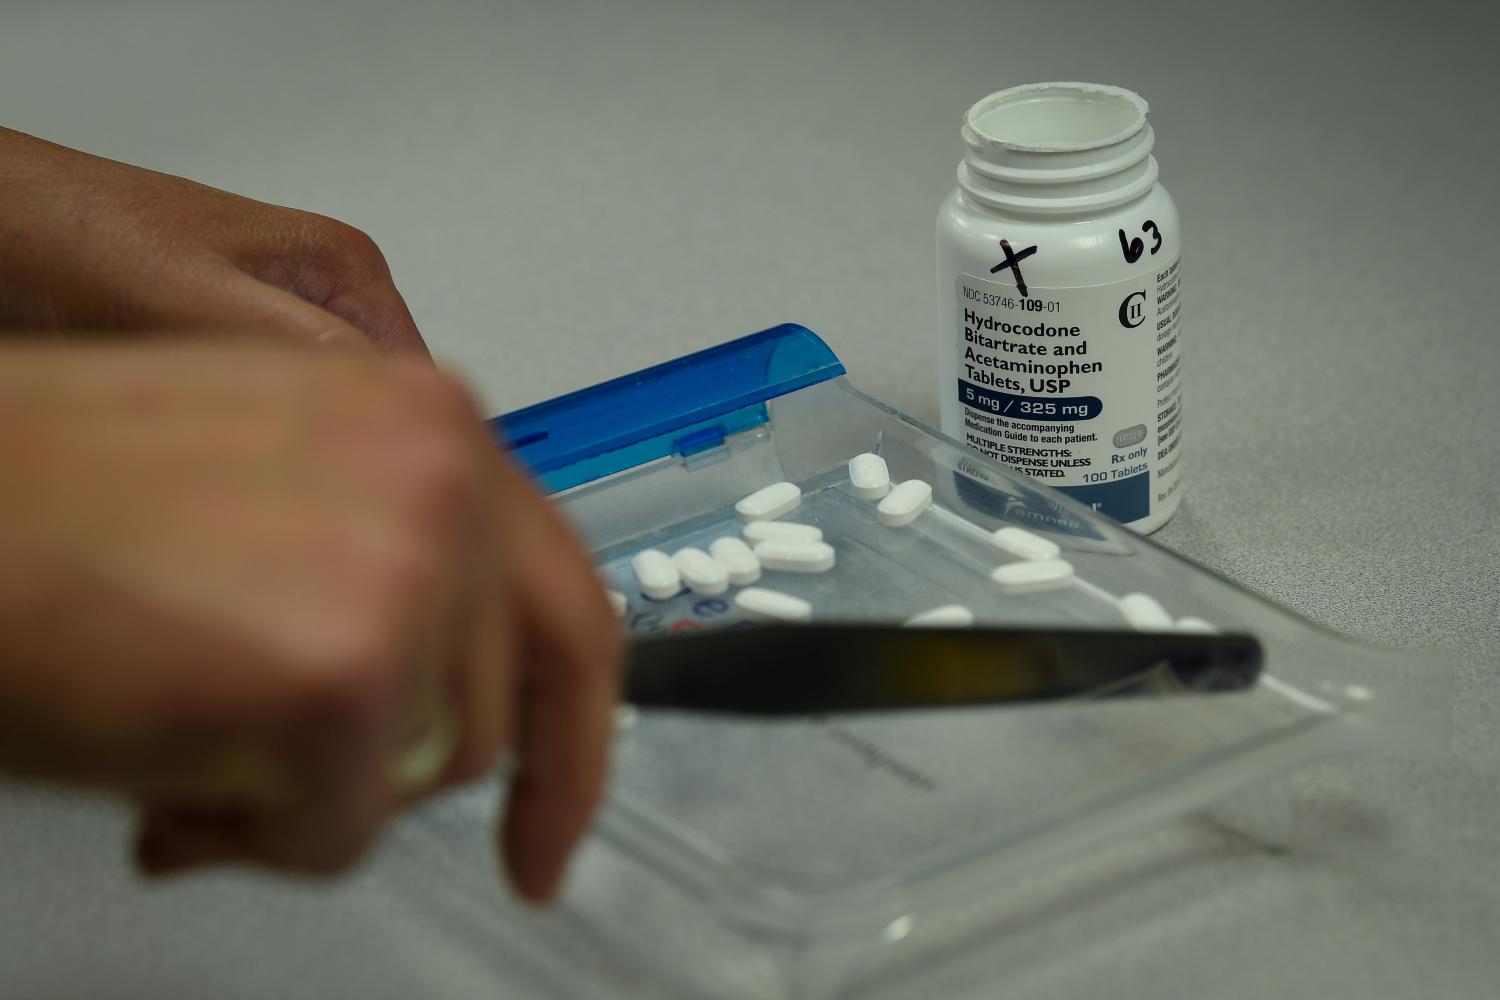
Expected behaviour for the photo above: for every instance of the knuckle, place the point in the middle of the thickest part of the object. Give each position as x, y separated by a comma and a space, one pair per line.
403, 575
447, 485
351, 667
443, 397
353, 656
351, 243
444, 467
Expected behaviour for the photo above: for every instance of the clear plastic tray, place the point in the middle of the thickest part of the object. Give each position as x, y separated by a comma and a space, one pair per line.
815, 858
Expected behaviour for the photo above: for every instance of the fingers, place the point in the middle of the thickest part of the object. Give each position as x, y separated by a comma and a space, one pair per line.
472, 670
336, 760
567, 693
308, 282
517, 627
173, 840
176, 840
162, 252
229, 300
481, 686
427, 636
378, 311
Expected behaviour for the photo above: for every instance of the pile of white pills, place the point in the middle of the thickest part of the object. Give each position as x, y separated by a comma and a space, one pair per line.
772, 545
779, 546
768, 544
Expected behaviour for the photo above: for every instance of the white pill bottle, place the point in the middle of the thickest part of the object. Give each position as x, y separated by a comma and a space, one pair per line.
1058, 266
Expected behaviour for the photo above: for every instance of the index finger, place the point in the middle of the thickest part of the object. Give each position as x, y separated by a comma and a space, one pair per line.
568, 686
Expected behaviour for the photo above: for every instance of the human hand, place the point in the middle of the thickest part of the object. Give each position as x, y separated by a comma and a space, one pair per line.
90, 244
238, 575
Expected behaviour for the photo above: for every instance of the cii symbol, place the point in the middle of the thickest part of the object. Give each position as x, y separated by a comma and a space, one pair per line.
1133, 310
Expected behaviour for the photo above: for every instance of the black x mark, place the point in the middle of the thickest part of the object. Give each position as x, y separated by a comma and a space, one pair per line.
1013, 261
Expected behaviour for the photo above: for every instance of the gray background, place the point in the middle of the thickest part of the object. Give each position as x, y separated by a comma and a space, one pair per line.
567, 192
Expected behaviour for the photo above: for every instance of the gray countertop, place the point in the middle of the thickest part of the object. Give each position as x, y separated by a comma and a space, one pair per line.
568, 192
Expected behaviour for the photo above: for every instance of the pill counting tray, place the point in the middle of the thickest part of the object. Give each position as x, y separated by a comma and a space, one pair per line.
827, 857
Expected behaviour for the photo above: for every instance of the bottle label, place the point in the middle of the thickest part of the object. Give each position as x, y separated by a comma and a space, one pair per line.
1079, 387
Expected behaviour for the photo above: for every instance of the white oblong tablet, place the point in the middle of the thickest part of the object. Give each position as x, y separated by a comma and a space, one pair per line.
655, 573
737, 559
617, 602
947, 616
782, 531
1145, 612
869, 477
1023, 544
795, 557
762, 605
769, 502
1032, 575
701, 572
904, 503
1197, 625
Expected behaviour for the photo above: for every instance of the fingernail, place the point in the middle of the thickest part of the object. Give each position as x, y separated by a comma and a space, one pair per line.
535, 884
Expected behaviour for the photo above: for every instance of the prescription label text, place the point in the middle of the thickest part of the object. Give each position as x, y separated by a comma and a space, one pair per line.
1077, 387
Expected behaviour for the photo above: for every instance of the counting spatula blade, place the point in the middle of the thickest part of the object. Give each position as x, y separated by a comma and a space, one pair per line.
813, 669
